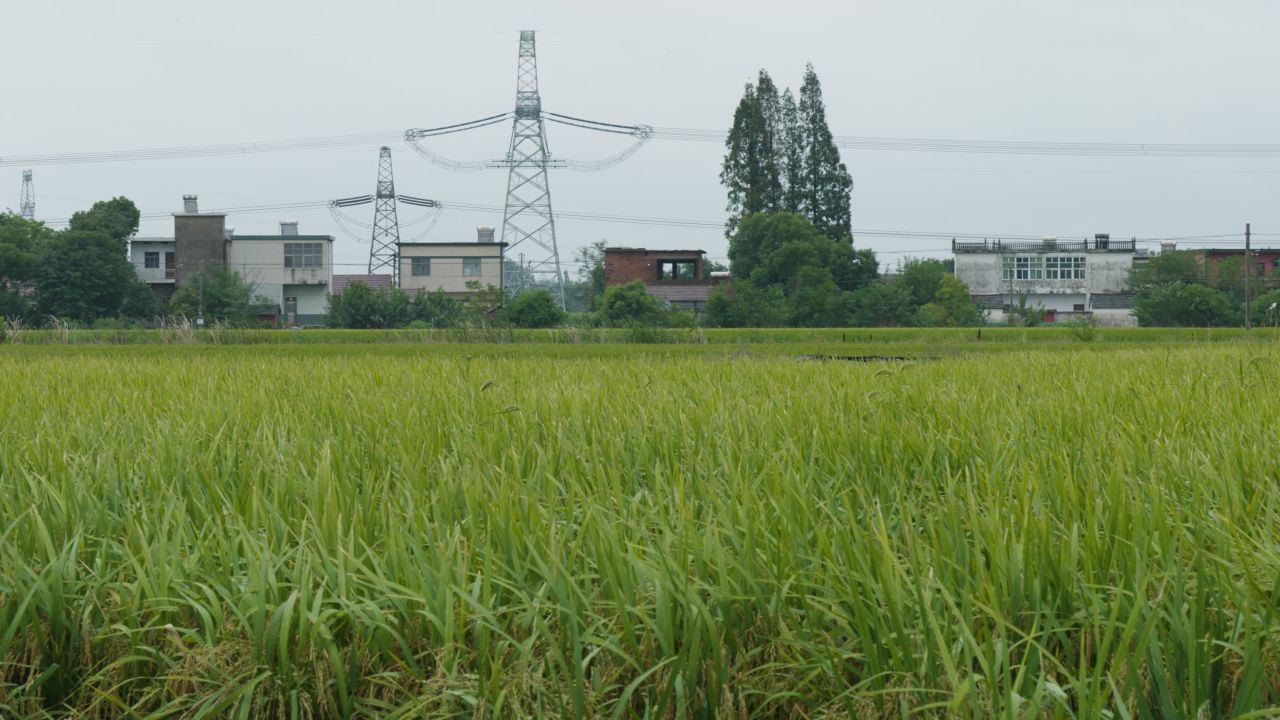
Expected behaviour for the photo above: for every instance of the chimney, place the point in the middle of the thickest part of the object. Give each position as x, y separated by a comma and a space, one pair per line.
189, 204
289, 228
484, 234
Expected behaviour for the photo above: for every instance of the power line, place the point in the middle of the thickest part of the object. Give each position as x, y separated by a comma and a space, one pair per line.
926, 145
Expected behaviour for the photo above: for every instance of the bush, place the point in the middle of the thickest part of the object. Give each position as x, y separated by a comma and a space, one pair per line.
630, 305
1084, 327
743, 305
218, 295
1180, 304
535, 309
437, 310
1266, 309
951, 307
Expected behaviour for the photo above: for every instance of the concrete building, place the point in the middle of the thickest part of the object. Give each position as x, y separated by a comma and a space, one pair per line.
432, 266
1067, 278
291, 270
675, 276
155, 262
294, 270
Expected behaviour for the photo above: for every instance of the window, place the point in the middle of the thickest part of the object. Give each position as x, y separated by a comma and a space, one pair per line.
470, 267
677, 269
303, 255
1029, 268
1052, 268
170, 265
1006, 268
1077, 264
151, 260
420, 266
1077, 307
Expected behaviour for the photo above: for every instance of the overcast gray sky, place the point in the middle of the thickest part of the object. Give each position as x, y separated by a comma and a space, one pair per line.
87, 76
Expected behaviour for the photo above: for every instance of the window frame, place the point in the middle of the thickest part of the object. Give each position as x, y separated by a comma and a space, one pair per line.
416, 266
303, 255
151, 259
472, 263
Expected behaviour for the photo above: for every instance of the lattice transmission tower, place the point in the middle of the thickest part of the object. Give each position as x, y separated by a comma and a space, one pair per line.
384, 245
527, 222
27, 208
384, 250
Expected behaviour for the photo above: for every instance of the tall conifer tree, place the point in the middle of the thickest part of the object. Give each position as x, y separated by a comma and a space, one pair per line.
826, 184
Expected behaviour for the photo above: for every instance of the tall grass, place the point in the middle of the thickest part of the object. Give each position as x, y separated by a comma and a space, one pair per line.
240, 534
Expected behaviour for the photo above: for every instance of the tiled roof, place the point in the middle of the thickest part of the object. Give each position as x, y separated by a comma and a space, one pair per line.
680, 293
1112, 302
381, 282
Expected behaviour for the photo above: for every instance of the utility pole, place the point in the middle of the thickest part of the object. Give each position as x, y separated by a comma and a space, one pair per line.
1248, 270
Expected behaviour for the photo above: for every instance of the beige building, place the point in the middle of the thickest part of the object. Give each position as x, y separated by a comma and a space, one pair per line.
449, 267
293, 270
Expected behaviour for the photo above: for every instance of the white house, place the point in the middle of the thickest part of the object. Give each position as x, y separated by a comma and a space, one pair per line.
295, 271
1066, 278
153, 261
429, 267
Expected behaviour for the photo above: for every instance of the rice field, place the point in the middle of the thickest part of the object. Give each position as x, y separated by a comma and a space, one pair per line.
712, 529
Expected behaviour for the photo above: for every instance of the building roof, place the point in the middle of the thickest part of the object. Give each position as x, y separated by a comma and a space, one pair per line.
1237, 251
1047, 245
378, 282
463, 243
151, 240
285, 238
680, 293
656, 251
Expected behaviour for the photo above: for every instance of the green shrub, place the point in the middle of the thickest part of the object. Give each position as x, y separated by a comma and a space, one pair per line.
535, 309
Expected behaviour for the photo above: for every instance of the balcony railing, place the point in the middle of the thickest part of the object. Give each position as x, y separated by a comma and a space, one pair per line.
1040, 246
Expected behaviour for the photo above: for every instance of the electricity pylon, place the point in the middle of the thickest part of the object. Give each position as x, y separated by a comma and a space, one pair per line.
384, 251
527, 222
28, 206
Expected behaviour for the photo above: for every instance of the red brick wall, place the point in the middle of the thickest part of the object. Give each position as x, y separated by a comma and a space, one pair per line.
621, 268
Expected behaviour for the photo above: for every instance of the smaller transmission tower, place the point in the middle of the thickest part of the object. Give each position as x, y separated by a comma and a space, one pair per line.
28, 207
384, 252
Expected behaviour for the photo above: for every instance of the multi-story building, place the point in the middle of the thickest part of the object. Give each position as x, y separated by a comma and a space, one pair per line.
294, 270
291, 270
155, 262
1065, 278
452, 267
1218, 262
675, 276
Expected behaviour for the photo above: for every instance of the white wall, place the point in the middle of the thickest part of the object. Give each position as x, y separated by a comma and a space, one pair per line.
1105, 272
137, 255
260, 261
446, 267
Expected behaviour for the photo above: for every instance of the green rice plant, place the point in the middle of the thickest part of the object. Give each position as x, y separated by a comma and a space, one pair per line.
431, 528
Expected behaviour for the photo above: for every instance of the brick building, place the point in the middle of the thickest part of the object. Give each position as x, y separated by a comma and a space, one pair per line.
1266, 263
675, 276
